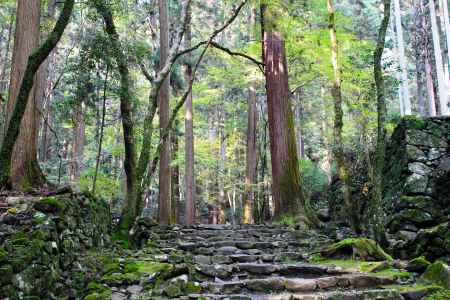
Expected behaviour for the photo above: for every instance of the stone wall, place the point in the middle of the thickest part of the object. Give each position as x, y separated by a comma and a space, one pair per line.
44, 244
417, 187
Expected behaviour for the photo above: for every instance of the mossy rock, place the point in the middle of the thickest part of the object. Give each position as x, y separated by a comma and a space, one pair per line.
439, 295
49, 205
106, 295
118, 279
146, 267
437, 273
419, 264
356, 248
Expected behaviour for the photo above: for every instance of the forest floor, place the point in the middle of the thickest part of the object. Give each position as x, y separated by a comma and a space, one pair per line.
245, 262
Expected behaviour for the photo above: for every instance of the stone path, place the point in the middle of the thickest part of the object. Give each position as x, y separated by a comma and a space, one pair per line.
245, 262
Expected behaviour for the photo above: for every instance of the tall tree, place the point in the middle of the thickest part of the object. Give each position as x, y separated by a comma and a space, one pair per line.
405, 98
189, 134
250, 155
26, 82
442, 81
338, 147
164, 111
288, 194
377, 177
129, 209
25, 170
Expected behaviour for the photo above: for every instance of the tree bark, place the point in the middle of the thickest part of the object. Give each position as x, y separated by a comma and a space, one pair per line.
129, 209
380, 154
406, 101
102, 128
25, 170
164, 111
250, 156
338, 147
175, 177
78, 142
288, 195
442, 81
22, 95
189, 136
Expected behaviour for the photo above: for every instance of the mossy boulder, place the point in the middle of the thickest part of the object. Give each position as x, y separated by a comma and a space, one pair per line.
437, 273
356, 248
419, 264
49, 205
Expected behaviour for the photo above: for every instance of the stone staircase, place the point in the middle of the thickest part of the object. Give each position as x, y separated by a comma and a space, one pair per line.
253, 262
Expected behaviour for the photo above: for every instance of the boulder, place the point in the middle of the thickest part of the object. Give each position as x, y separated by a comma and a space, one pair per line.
360, 248
437, 273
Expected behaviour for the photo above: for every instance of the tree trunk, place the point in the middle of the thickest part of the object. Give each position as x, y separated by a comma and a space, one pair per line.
442, 81
288, 194
102, 128
418, 57
406, 101
129, 209
175, 177
250, 156
222, 162
25, 170
338, 147
377, 196
78, 142
21, 95
189, 136
426, 57
164, 111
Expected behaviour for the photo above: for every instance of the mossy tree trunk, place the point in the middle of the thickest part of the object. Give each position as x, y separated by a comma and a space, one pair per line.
34, 61
129, 209
338, 147
380, 153
25, 170
288, 195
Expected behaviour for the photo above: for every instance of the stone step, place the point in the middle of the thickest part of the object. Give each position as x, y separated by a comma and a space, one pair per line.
375, 294
297, 285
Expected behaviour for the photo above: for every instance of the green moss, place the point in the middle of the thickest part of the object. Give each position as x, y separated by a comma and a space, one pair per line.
191, 288
97, 287
362, 248
3, 254
437, 273
416, 287
121, 239
146, 267
439, 295
105, 295
120, 279
173, 290
46, 203
350, 264
394, 273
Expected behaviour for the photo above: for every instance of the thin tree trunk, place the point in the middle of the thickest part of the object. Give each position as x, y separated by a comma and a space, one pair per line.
175, 177
222, 162
21, 95
189, 136
164, 111
376, 207
102, 127
288, 195
338, 147
402, 60
129, 209
418, 58
251, 156
442, 81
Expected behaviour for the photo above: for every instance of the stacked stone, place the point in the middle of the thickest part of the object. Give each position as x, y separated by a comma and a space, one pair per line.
417, 187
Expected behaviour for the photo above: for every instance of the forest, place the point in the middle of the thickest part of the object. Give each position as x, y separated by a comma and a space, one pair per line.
233, 149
